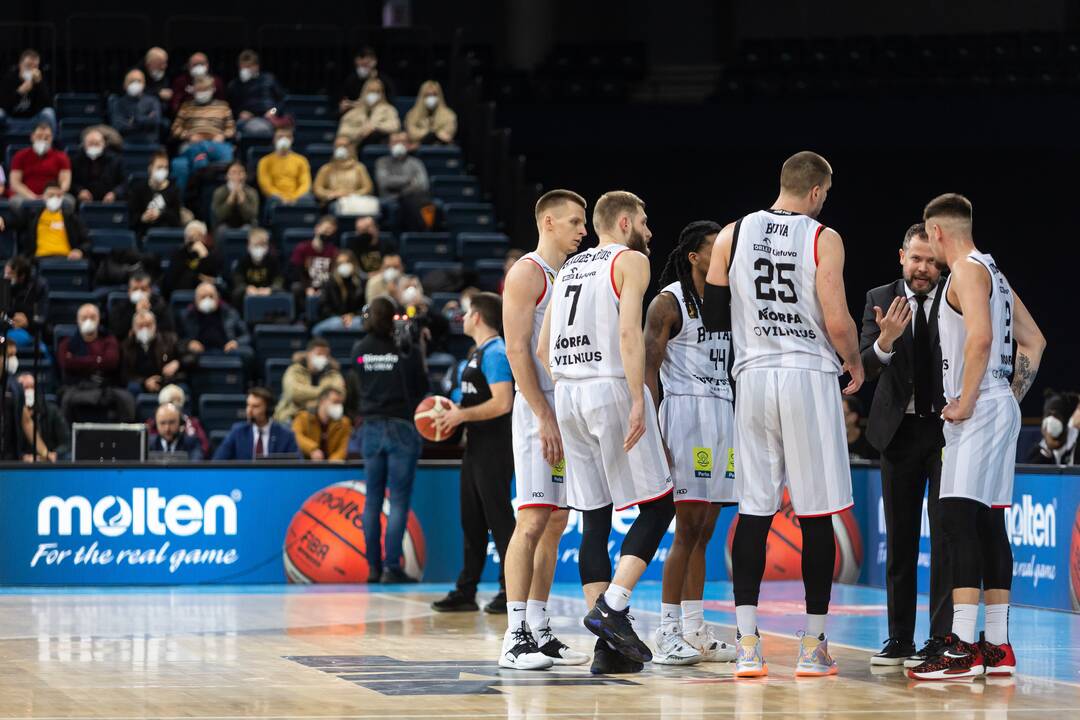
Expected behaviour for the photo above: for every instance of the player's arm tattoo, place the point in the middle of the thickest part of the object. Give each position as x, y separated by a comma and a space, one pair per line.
1023, 376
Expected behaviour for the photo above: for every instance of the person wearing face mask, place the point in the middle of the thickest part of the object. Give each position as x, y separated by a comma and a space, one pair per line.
28, 302
372, 119
205, 129
37, 166
53, 231
155, 67
196, 261
344, 183
1060, 431
310, 262
183, 85
170, 435
324, 433
42, 430
256, 98
403, 178
136, 114
141, 296
431, 121
89, 368
310, 372
342, 297
97, 173
24, 96
150, 359
368, 246
235, 204
155, 201
258, 272
284, 176
210, 326
384, 281
259, 436
366, 67
190, 425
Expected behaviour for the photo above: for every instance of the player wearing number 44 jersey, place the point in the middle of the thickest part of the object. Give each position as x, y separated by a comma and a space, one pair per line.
979, 320
776, 279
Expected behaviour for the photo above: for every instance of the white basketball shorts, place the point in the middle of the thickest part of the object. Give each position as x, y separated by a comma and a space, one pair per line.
538, 484
979, 461
699, 433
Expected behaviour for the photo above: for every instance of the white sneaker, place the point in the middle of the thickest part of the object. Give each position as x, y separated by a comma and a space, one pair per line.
557, 650
671, 649
519, 651
711, 648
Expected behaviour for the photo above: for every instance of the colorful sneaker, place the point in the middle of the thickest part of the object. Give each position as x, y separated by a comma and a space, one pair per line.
557, 650
932, 649
711, 648
671, 649
748, 660
814, 659
997, 659
617, 628
519, 651
958, 660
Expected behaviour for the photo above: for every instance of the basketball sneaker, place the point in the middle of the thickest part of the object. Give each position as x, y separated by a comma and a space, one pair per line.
557, 650
607, 661
671, 649
616, 628
455, 601
997, 659
814, 659
749, 662
519, 651
958, 660
711, 648
895, 652
931, 649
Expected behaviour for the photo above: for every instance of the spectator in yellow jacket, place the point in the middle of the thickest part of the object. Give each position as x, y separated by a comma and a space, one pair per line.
284, 176
431, 121
373, 119
324, 433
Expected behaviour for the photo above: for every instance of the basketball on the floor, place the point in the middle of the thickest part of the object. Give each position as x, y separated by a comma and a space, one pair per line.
1074, 563
424, 416
325, 539
783, 546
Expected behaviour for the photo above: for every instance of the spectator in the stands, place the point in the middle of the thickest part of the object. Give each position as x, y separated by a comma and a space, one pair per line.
210, 326
434, 327
403, 178
259, 436
136, 114
235, 204
155, 201
366, 64
97, 173
256, 97
191, 426
512, 256
371, 120
150, 359
53, 231
196, 261
90, 369
155, 65
310, 373
204, 117
859, 448
344, 184
284, 176
309, 265
169, 436
1060, 431
39, 165
258, 272
367, 245
342, 297
141, 296
456, 310
385, 280
323, 434
431, 121
183, 86
28, 302
53, 437
25, 99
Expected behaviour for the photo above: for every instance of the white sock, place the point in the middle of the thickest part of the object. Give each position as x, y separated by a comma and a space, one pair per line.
963, 621
536, 615
617, 597
815, 624
515, 614
997, 624
669, 617
693, 615
746, 619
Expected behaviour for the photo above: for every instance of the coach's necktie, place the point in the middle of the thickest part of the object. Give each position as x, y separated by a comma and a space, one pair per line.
924, 394
259, 451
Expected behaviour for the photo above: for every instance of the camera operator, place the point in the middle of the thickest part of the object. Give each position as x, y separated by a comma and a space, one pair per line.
390, 379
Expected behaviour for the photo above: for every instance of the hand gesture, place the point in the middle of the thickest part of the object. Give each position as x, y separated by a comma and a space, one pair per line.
956, 411
892, 322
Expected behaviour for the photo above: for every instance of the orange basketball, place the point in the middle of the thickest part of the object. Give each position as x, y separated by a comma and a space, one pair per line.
1074, 563
424, 416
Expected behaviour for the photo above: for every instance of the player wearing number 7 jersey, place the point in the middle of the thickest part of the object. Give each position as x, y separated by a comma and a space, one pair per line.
776, 279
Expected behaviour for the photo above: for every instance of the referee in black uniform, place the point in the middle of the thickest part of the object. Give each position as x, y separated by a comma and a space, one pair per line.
900, 348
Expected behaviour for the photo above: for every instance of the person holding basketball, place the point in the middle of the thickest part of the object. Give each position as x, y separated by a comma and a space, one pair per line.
487, 467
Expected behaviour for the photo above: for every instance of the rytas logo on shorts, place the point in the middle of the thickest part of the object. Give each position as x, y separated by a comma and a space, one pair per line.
558, 471
729, 471
703, 462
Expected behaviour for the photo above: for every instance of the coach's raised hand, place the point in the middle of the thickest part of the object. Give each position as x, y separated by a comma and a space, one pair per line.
892, 322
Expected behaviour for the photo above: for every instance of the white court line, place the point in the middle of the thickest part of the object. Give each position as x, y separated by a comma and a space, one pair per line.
594, 713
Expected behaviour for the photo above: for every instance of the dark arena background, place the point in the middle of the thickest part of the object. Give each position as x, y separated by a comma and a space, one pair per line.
224, 573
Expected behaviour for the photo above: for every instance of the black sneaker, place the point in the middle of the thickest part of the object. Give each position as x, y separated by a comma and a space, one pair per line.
497, 606
455, 601
606, 661
932, 649
395, 576
895, 652
615, 627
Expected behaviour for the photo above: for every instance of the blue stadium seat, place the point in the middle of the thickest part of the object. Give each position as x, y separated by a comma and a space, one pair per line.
292, 216
312, 310
439, 300
279, 341
423, 246
179, 302
455, 188
163, 242
104, 241
136, 157
96, 215
474, 246
65, 275
61, 331
424, 267
307, 132
459, 345
233, 243
310, 107
11, 148
370, 153
441, 159
252, 156
342, 341
403, 104
274, 370
220, 411
146, 404
64, 304
78, 105
318, 154
290, 238
470, 217
218, 374
488, 273
277, 307
71, 128
114, 298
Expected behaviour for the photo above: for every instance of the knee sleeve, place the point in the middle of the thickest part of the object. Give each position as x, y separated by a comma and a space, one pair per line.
960, 523
997, 565
748, 557
818, 559
648, 529
594, 563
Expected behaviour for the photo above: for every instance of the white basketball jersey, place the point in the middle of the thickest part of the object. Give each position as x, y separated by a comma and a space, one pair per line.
953, 334
775, 313
584, 332
538, 316
695, 362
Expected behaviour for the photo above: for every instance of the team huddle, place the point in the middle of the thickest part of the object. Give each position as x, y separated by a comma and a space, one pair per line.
746, 339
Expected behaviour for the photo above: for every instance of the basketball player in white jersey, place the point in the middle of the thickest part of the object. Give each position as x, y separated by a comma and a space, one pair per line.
697, 422
592, 342
533, 552
980, 318
776, 279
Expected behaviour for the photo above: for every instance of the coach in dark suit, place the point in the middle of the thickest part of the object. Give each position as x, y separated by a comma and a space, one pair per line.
900, 348
259, 436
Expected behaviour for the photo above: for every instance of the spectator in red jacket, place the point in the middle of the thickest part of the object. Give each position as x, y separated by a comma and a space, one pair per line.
35, 167
90, 365
310, 263
183, 87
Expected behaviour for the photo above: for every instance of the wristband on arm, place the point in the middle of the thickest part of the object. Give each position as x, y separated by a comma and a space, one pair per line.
716, 308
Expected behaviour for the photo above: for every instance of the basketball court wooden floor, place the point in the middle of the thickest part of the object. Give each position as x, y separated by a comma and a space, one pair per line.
349, 652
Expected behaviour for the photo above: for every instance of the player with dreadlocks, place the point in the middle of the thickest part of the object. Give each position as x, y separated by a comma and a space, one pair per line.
697, 423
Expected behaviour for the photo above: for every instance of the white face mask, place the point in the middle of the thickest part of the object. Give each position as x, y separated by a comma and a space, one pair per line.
345, 269
246, 74
391, 274
137, 296
1053, 426
94, 151
28, 396
372, 97
319, 362
197, 71
335, 411
156, 75
283, 144
207, 305
466, 306
204, 96
52, 204
169, 396
42, 146
88, 327
12, 363
160, 175
258, 252
341, 152
431, 102
410, 296
398, 150
144, 335
135, 89
27, 75
363, 71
